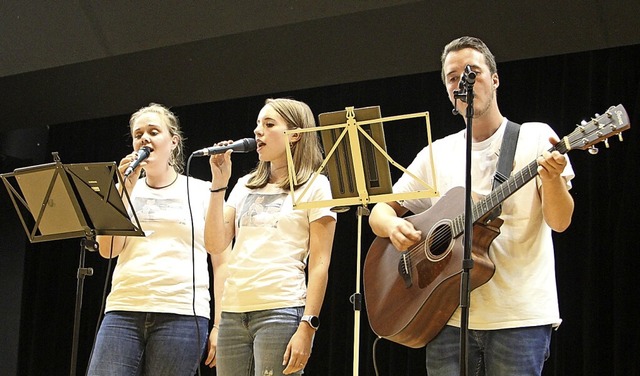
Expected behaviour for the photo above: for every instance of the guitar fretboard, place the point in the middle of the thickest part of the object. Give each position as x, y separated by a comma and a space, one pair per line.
501, 193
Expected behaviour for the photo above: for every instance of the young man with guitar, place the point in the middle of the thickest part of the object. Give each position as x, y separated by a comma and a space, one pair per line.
513, 311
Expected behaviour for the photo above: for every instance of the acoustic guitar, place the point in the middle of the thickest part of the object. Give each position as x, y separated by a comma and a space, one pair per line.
411, 295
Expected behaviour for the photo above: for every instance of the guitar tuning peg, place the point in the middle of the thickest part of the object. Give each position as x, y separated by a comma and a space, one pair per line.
620, 137
593, 150
606, 143
583, 122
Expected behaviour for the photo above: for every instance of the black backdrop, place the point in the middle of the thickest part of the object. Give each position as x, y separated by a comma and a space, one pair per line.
596, 274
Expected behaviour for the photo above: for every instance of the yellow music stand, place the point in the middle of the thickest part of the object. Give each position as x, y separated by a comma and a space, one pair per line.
356, 136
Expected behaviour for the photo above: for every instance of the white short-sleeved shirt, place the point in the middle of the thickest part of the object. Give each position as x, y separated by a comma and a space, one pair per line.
268, 259
154, 273
522, 291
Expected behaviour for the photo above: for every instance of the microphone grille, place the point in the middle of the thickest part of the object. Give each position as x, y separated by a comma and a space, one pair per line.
250, 144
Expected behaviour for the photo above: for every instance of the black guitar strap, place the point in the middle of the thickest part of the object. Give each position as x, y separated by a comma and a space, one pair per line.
505, 160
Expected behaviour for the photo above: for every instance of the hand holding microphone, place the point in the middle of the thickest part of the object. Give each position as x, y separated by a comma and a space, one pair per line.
143, 154
220, 160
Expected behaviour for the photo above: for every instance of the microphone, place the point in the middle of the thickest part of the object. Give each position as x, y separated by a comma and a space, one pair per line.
469, 76
143, 154
244, 145
467, 80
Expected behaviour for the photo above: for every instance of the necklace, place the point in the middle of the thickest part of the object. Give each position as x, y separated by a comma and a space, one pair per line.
164, 186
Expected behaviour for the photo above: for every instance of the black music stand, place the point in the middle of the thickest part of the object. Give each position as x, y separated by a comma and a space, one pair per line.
56, 201
359, 175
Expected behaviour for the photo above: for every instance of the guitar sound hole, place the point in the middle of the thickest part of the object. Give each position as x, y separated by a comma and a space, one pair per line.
439, 242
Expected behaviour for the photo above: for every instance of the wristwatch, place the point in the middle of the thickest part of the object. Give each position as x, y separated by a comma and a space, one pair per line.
312, 320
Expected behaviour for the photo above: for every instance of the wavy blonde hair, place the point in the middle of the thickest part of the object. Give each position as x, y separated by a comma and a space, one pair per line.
306, 152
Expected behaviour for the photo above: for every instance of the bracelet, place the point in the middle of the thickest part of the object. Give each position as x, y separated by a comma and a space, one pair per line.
217, 190
215, 327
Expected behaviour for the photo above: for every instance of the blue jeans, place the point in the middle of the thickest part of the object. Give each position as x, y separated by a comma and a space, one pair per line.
140, 343
505, 352
254, 342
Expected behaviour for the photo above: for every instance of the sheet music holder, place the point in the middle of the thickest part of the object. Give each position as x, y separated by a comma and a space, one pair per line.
357, 165
340, 167
347, 143
56, 201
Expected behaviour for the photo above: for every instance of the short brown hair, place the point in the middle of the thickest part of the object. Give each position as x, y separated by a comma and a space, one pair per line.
469, 42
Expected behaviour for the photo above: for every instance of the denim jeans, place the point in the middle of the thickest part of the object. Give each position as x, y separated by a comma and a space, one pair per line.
504, 352
140, 343
254, 343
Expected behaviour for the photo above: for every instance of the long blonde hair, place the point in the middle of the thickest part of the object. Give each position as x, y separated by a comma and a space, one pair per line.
173, 125
306, 152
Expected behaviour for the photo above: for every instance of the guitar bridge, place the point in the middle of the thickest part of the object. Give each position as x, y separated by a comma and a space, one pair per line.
404, 269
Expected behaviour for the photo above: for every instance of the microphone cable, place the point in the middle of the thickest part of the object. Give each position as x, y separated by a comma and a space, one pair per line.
375, 363
193, 266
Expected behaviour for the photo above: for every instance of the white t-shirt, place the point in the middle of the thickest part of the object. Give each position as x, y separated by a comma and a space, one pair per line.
268, 260
155, 272
522, 291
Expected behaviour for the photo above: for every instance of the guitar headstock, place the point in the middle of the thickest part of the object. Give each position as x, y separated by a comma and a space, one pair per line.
614, 121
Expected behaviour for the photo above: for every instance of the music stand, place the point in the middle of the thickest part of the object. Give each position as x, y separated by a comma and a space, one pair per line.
370, 182
56, 201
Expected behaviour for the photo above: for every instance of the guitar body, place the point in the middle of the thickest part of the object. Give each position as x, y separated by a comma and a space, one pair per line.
413, 315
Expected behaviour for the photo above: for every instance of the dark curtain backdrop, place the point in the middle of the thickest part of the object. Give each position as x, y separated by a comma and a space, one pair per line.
595, 257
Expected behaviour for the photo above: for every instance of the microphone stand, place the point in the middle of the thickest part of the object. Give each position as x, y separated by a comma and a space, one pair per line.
87, 243
465, 93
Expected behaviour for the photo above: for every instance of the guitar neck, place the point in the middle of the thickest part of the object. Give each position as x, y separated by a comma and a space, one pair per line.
614, 121
502, 192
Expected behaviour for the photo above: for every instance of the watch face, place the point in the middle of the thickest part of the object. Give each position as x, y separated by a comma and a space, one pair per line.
313, 321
